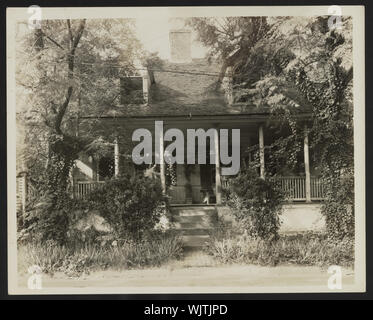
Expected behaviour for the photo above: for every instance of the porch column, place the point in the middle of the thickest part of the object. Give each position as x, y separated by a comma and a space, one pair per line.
98, 169
217, 167
261, 151
116, 157
307, 165
161, 162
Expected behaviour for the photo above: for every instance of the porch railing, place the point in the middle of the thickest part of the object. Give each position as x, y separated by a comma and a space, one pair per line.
317, 189
25, 192
82, 189
295, 187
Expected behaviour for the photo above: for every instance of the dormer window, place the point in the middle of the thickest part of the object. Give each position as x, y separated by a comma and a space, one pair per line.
133, 90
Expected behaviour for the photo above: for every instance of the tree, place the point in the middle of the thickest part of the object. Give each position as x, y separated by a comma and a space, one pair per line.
68, 68
230, 39
300, 65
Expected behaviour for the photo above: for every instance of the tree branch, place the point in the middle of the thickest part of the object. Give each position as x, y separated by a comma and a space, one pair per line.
53, 41
70, 60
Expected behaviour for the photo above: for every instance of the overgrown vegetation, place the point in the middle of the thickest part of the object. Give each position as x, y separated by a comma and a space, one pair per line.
132, 205
67, 71
292, 66
82, 258
256, 204
302, 249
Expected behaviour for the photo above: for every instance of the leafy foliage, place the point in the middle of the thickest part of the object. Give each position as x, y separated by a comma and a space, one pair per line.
68, 68
256, 204
297, 66
130, 204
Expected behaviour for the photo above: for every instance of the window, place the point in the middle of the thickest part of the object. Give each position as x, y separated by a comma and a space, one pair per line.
131, 90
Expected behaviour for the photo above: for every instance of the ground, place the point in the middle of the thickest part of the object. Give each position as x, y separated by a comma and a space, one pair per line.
199, 273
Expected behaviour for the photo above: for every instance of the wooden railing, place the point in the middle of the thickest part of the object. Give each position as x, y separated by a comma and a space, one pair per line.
21, 193
83, 188
317, 189
25, 192
295, 187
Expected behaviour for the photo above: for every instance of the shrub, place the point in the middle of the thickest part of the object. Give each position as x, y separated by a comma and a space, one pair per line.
256, 204
49, 219
338, 206
131, 205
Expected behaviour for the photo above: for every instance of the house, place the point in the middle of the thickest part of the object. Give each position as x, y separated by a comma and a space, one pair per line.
182, 94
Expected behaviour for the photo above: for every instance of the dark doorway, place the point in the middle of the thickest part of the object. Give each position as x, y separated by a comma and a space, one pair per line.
207, 172
106, 168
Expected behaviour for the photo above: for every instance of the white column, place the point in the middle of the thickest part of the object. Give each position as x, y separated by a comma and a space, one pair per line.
261, 152
307, 165
145, 87
98, 169
217, 168
116, 157
161, 162
229, 90
24, 192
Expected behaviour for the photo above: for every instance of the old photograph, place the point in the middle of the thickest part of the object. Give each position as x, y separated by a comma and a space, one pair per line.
186, 150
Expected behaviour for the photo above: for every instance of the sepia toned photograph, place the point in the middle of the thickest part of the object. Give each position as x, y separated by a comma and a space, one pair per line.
186, 150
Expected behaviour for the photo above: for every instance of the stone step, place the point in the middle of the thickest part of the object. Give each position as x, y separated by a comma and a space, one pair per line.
202, 224
194, 232
193, 211
199, 212
194, 223
194, 241
192, 207
204, 220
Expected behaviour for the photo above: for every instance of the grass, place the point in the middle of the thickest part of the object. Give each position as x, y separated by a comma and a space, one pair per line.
301, 249
75, 260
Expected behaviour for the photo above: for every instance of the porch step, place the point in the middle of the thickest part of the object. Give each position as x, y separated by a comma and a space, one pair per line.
203, 224
194, 223
193, 211
195, 232
194, 241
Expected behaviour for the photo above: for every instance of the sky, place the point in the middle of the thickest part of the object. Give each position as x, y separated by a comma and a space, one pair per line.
154, 34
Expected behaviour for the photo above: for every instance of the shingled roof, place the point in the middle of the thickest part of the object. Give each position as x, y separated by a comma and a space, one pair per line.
184, 89
187, 88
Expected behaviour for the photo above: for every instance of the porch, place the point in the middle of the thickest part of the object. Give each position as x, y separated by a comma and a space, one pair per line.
204, 183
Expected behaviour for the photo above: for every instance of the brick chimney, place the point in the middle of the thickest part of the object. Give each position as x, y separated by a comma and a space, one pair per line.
180, 45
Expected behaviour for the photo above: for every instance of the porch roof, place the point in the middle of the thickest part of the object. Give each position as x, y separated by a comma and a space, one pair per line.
191, 119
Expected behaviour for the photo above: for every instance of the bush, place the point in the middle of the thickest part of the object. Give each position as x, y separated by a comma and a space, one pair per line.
302, 249
78, 259
256, 204
131, 205
338, 206
49, 219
